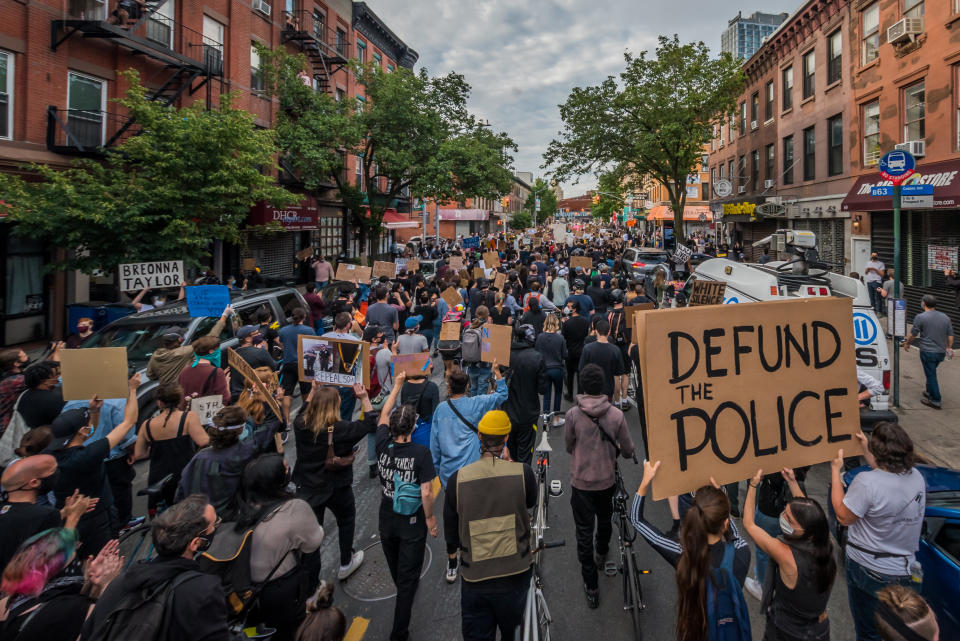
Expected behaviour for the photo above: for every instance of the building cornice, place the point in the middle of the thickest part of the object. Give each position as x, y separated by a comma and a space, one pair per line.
368, 23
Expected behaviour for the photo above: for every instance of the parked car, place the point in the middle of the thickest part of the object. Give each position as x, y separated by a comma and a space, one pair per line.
142, 333
639, 262
939, 552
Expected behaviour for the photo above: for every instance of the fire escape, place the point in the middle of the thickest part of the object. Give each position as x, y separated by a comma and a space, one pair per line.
325, 48
141, 28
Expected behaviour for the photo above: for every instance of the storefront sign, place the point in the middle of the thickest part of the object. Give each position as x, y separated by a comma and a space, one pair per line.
943, 176
294, 218
941, 258
732, 209
137, 276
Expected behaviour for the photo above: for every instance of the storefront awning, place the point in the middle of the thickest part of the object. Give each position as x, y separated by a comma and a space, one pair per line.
464, 214
393, 220
301, 217
942, 175
691, 213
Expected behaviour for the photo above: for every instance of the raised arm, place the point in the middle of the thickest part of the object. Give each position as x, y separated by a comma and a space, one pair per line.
130, 413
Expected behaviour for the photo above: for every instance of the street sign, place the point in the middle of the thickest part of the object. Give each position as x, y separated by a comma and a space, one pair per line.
897, 165
916, 202
770, 209
882, 191
896, 317
916, 190
723, 188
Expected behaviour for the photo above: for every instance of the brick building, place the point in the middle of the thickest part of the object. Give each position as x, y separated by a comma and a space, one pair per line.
697, 216
59, 63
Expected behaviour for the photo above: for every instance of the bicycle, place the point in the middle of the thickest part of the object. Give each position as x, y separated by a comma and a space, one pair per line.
626, 535
136, 544
542, 456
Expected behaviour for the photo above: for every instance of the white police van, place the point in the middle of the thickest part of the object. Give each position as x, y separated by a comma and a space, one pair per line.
804, 276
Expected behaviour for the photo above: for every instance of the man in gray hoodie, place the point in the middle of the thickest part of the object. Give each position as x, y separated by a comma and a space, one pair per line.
595, 431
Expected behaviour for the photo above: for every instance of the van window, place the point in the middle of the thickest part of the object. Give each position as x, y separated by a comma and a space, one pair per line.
288, 302
207, 323
248, 314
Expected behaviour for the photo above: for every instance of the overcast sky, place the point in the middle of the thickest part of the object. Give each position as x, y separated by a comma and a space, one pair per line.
522, 57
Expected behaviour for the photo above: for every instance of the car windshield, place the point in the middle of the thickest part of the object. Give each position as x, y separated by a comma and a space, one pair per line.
651, 257
140, 338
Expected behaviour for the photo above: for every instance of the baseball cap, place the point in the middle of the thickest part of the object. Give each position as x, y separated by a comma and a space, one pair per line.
65, 427
413, 321
246, 330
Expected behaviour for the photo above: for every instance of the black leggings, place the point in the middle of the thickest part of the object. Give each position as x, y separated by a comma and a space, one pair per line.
572, 365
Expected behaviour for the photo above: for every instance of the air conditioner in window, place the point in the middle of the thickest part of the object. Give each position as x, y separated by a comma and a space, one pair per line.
905, 29
263, 6
742, 189
918, 148
753, 124
767, 184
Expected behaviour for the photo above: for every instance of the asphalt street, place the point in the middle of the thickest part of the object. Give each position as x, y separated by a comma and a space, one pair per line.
367, 597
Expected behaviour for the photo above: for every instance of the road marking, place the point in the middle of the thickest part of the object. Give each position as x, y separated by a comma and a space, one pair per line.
358, 628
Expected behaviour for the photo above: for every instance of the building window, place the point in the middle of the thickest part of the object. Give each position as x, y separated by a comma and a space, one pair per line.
787, 88
835, 145
754, 169
160, 24
319, 25
360, 104
834, 57
809, 153
914, 103
86, 103
754, 109
741, 171
731, 176
956, 98
743, 118
809, 73
213, 44
340, 95
788, 160
768, 108
256, 76
871, 133
870, 18
390, 68
358, 171
732, 126
771, 165
362, 51
6, 95
912, 8
377, 60
341, 42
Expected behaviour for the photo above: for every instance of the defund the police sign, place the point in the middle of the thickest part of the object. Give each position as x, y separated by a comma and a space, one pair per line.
731, 389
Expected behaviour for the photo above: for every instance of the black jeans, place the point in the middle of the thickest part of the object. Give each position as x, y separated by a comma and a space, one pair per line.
572, 365
282, 602
520, 443
403, 546
592, 508
120, 476
481, 613
344, 509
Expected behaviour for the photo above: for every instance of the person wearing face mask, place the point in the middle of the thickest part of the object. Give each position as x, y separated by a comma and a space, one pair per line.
169, 360
800, 579
84, 330
20, 515
84, 468
12, 363
197, 609
43, 400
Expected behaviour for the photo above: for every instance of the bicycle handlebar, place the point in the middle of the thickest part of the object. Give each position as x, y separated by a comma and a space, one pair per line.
552, 544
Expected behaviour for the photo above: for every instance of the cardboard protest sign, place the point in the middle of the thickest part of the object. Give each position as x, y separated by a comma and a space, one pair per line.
681, 255
100, 371
411, 364
249, 264
731, 389
495, 343
207, 300
499, 281
631, 310
450, 331
349, 271
383, 268
452, 296
334, 361
559, 232
137, 276
707, 292
413, 265
464, 275
478, 272
502, 245
235, 361
206, 407
491, 259
456, 262
584, 262
305, 253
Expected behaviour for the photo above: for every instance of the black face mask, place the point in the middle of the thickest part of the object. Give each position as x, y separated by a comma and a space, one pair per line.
47, 483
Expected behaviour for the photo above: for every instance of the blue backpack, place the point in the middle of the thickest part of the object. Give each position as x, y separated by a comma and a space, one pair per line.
727, 615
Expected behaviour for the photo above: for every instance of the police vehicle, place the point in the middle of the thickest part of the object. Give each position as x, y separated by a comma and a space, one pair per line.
803, 275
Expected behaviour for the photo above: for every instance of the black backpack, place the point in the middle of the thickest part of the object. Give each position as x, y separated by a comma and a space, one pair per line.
142, 615
618, 334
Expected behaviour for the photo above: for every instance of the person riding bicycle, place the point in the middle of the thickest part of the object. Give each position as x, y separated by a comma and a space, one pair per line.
594, 431
495, 562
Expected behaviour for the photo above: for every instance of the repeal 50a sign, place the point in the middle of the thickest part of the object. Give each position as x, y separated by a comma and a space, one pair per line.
730, 389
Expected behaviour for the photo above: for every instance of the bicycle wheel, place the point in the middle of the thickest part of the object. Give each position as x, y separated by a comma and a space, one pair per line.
631, 601
136, 544
543, 617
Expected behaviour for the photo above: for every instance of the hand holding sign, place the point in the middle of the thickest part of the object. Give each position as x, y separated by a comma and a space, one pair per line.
207, 300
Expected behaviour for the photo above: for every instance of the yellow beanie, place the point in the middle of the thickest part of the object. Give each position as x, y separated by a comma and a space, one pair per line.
495, 423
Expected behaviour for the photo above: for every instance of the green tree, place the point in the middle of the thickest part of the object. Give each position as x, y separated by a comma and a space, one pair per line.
652, 120
610, 196
189, 176
411, 132
548, 200
521, 220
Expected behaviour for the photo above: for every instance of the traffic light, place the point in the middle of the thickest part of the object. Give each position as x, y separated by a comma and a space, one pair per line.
596, 199
505, 202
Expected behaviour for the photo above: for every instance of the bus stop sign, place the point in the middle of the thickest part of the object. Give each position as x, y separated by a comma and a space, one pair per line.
898, 165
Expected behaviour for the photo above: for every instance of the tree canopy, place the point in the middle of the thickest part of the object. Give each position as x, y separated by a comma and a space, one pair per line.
189, 176
652, 120
548, 200
521, 220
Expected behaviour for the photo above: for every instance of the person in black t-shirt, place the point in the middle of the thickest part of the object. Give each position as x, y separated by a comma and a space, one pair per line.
602, 353
84, 468
253, 355
575, 329
43, 400
403, 536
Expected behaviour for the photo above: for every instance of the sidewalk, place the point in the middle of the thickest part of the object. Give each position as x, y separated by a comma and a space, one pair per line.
935, 433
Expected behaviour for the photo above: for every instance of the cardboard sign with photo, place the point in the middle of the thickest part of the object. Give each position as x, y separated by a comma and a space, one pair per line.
334, 361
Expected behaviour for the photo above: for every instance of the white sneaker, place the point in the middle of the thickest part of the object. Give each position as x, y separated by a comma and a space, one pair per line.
753, 587
451, 575
346, 570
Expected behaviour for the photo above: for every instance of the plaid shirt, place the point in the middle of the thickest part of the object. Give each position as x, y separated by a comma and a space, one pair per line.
10, 389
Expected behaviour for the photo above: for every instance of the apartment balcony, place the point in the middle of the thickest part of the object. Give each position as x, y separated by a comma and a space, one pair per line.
82, 132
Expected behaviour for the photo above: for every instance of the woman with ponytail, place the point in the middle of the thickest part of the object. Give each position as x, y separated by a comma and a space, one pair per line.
711, 560
796, 593
406, 507
324, 622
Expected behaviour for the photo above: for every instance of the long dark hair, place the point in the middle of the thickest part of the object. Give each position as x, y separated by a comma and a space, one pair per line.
263, 487
708, 515
402, 420
815, 539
